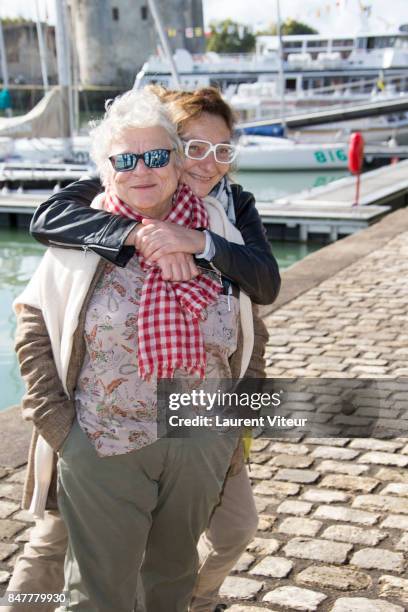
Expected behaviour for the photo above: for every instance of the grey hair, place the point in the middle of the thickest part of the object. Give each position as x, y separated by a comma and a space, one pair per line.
133, 109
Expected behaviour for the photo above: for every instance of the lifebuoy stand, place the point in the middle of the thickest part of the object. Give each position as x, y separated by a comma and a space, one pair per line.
355, 160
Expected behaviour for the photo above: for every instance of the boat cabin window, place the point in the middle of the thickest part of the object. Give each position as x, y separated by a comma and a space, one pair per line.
317, 43
115, 13
344, 42
292, 44
143, 12
380, 42
402, 43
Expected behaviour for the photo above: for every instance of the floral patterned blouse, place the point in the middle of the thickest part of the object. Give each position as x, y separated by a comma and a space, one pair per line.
115, 407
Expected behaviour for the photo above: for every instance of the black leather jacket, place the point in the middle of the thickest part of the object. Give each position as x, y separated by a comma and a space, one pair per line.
65, 220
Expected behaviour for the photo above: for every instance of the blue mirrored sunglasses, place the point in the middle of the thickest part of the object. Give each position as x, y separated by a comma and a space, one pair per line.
125, 162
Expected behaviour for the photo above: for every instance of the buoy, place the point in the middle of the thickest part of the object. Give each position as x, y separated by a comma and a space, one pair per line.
355, 159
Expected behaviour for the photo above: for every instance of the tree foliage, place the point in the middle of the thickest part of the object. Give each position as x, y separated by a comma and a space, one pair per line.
289, 27
230, 37
16, 21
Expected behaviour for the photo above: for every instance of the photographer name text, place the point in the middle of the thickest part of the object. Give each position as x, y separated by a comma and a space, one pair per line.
220, 421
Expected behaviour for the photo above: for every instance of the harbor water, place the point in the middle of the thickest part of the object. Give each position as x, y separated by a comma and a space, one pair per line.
20, 255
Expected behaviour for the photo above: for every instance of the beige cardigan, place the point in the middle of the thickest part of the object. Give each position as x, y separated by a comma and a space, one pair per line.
50, 337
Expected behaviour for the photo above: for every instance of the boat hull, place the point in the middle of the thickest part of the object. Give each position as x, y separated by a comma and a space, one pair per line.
292, 156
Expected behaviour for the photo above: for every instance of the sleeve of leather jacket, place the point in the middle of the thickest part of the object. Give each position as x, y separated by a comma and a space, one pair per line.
257, 364
45, 402
252, 265
66, 219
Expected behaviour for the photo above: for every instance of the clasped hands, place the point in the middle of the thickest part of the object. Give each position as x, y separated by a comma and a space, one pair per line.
168, 245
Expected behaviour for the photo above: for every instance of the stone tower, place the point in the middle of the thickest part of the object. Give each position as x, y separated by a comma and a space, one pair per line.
113, 38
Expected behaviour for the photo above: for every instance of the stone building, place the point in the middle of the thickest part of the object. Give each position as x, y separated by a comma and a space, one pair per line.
113, 38
23, 55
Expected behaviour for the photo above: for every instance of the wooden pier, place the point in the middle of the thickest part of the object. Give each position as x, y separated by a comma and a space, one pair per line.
301, 222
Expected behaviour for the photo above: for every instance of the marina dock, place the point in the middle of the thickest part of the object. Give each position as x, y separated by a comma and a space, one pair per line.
326, 211
16, 209
329, 210
24, 186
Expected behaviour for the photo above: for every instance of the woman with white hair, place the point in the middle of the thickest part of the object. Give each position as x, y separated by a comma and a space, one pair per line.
93, 339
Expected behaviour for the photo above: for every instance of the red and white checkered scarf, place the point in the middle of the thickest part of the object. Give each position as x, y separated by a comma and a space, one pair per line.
169, 335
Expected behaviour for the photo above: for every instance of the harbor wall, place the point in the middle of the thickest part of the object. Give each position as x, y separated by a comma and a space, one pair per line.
23, 55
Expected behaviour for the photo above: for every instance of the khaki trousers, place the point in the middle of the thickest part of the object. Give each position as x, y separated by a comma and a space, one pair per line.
40, 568
120, 509
232, 526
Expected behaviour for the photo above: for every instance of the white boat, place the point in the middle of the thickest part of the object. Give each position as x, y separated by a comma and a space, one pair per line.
310, 62
35, 136
51, 150
267, 153
261, 100
317, 72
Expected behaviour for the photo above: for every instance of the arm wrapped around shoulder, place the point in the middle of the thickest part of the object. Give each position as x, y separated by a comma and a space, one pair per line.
45, 401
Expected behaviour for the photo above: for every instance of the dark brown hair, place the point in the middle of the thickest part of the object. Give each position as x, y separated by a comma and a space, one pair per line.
186, 105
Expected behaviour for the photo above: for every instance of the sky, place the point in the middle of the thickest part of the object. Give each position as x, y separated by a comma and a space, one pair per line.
335, 17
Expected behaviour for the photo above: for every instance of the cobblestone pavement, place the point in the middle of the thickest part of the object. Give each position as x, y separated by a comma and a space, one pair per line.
333, 512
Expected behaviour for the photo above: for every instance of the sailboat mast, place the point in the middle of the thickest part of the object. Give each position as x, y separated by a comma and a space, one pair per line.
64, 76
281, 66
41, 46
164, 42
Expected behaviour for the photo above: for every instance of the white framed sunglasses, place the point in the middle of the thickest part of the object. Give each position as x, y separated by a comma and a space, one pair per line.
200, 149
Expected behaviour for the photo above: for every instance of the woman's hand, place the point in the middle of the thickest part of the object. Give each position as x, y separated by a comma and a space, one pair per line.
177, 267
158, 238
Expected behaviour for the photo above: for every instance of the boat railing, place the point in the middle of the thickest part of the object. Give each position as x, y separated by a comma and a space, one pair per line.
394, 85
362, 84
233, 58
